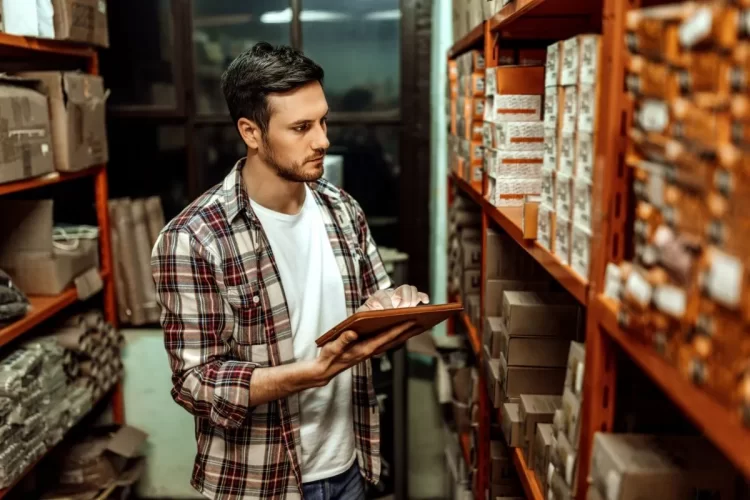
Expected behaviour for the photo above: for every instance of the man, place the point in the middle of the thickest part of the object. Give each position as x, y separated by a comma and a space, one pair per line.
249, 275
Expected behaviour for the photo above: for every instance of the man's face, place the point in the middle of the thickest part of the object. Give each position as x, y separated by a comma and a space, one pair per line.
296, 140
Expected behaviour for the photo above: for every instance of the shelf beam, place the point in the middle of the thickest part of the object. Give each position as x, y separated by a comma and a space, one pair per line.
23, 45
527, 476
47, 180
473, 39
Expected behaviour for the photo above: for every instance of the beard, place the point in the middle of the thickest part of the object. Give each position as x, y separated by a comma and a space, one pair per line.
292, 171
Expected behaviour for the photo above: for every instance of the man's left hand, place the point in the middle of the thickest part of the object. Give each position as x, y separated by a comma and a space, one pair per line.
403, 296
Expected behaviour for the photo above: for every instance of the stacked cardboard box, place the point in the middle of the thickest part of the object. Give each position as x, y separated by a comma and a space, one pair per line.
686, 293
631, 466
513, 133
467, 103
503, 477
570, 116
75, 20
468, 14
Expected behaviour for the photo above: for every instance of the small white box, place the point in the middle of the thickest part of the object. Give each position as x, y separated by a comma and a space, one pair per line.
582, 203
487, 135
580, 254
518, 108
584, 156
544, 233
563, 195
589, 59
570, 110
548, 187
566, 163
586, 108
519, 136
550, 149
569, 70
552, 68
20, 17
489, 108
562, 239
491, 81
519, 165
550, 108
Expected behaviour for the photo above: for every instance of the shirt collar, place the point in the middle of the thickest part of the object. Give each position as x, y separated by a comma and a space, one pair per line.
236, 199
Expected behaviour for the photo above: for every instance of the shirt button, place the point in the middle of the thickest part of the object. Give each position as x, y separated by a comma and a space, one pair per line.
256, 299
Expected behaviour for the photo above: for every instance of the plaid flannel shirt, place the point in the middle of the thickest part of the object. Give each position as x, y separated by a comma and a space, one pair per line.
224, 314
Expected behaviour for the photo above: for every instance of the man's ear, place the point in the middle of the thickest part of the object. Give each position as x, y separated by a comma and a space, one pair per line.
250, 132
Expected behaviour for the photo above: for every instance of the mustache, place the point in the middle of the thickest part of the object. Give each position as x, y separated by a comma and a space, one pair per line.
316, 157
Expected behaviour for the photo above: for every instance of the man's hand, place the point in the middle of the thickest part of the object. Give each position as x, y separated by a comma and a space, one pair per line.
403, 296
345, 352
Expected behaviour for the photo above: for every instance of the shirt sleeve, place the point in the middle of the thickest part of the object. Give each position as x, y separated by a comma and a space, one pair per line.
374, 275
205, 382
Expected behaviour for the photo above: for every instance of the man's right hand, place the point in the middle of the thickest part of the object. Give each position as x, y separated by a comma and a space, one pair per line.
345, 352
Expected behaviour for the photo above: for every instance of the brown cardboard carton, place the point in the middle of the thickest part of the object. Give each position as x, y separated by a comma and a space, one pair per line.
472, 281
494, 289
537, 409
551, 352
571, 406
511, 424
501, 468
633, 466
576, 363
472, 254
82, 21
101, 459
492, 331
553, 66
27, 253
517, 380
77, 109
541, 314
519, 80
27, 147
540, 455
494, 382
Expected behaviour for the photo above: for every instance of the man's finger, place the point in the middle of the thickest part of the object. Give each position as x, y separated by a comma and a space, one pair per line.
343, 341
424, 298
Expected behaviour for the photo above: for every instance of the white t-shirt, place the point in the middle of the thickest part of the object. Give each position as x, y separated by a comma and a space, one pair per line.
315, 296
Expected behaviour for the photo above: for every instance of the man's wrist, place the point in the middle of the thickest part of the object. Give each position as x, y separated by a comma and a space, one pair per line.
311, 374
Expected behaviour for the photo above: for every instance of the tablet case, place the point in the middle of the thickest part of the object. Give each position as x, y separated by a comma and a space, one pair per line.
367, 323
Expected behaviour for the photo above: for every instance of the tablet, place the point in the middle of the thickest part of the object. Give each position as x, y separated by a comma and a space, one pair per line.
367, 323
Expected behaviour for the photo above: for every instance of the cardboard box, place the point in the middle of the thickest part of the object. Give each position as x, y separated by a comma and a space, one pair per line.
82, 21
77, 103
511, 423
494, 380
518, 165
548, 189
472, 254
532, 57
501, 468
530, 217
566, 162
539, 314
537, 409
550, 149
582, 203
108, 456
554, 62
551, 108
563, 235
588, 96
664, 467
571, 406
540, 455
29, 154
472, 302
570, 66
519, 136
546, 227
565, 459
517, 108
576, 364
492, 333
27, 252
549, 352
580, 254
519, 80
558, 489
20, 17
568, 108
584, 156
519, 380
494, 289
589, 59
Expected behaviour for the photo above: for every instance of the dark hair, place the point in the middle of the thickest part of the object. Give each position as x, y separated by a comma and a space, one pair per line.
263, 70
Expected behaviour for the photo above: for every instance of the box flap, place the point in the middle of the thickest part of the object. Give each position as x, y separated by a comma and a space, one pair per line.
127, 441
83, 89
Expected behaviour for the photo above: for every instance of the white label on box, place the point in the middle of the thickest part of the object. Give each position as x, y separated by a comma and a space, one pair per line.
613, 485
550, 149
586, 107
567, 155
670, 300
552, 70
582, 203
696, 28
638, 288
563, 195
491, 81
579, 378
562, 239
570, 112
653, 115
580, 258
724, 280
589, 64
569, 72
102, 6
548, 187
518, 108
550, 108
584, 156
544, 228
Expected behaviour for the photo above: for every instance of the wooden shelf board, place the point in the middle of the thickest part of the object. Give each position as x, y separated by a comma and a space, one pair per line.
718, 423
528, 479
42, 308
472, 39
47, 180
509, 219
44, 45
6, 491
529, 11
465, 448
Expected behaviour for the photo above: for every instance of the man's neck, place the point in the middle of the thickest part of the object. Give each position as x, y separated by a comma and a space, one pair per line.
268, 190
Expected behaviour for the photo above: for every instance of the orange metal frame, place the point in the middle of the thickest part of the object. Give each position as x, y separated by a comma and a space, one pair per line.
43, 308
